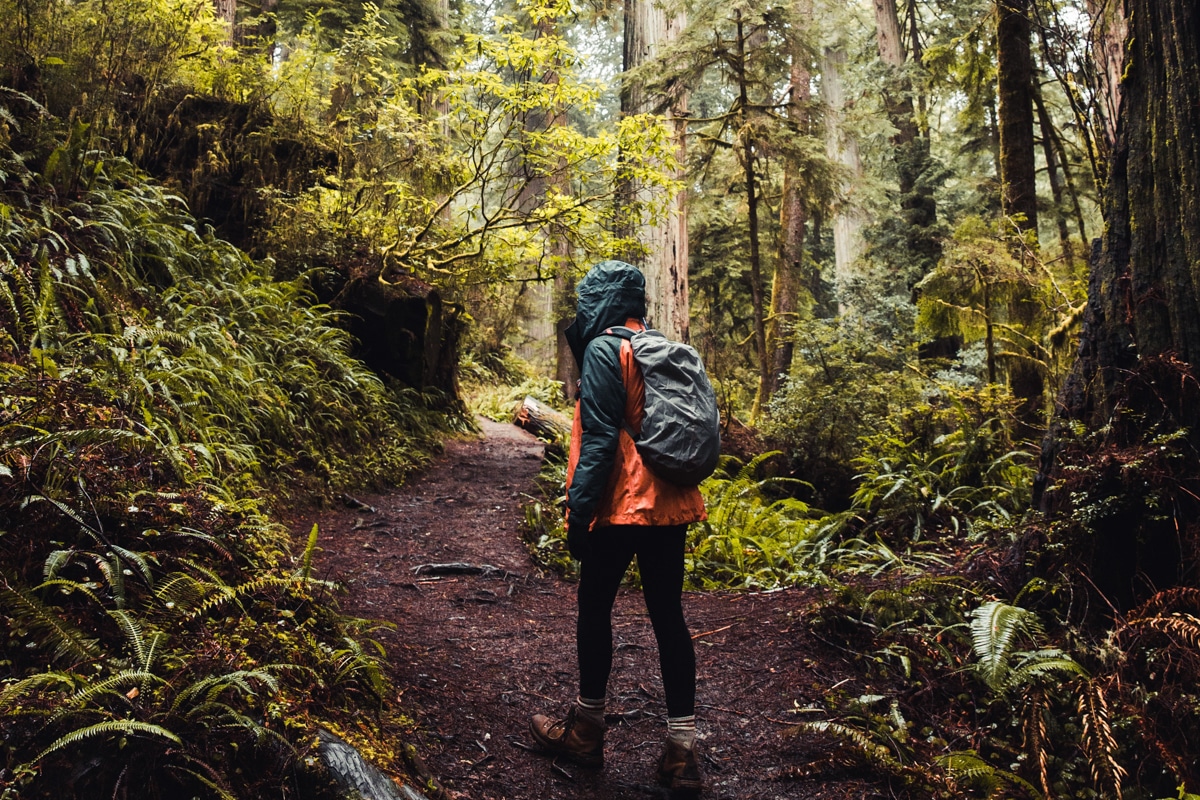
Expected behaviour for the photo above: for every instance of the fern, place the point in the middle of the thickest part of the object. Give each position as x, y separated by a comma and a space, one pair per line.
1098, 742
67, 641
123, 727
310, 548
995, 628
873, 752
966, 767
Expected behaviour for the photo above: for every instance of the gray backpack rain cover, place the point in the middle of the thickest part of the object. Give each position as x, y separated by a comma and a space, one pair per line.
681, 428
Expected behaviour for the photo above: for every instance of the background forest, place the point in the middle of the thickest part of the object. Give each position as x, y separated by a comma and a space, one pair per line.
261, 254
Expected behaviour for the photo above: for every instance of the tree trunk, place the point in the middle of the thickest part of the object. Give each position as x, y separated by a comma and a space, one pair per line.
1109, 26
1052, 166
793, 214
1018, 184
648, 29
549, 316
757, 290
912, 154
841, 146
227, 13
1136, 376
1018, 187
897, 96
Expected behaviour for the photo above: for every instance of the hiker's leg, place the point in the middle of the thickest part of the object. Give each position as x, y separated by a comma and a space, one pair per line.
599, 578
660, 561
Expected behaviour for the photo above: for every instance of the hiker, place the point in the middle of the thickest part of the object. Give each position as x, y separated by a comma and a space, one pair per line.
616, 509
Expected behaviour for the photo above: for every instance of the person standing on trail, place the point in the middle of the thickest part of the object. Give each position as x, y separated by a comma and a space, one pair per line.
616, 509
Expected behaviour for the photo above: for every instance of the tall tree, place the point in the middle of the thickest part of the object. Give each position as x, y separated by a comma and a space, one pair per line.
789, 280
1018, 188
1015, 89
649, 29
547, 304
915, 169
1137, 377
841, 147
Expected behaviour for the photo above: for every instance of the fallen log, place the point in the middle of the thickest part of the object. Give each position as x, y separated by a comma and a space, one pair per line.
543, 421
355, 776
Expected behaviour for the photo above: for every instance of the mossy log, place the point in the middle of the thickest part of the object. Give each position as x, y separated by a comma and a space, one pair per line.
543, 421
405, 330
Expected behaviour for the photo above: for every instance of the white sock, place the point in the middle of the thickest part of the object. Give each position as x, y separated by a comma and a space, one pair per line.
591, 710
682, 731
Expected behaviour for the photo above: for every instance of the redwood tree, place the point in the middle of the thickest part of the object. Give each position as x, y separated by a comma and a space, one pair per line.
1135, 382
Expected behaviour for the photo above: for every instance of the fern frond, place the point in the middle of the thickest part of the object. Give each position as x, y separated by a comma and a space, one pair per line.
1099, 744
1184, 628
1180, 598
30, 613
124, 727
873, 752
208, 689
139, 561
68, 587
309, 549
1034, 728
111, 685
135, 637
55, 562
33, 683
966, 766
995, 627
1040, 663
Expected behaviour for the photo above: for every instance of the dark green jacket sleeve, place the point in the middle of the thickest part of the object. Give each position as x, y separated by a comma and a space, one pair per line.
602, 415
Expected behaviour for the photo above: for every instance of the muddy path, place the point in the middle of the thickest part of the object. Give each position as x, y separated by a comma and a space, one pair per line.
476, 654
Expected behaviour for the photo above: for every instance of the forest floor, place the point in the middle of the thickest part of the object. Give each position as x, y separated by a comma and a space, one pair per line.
475, 655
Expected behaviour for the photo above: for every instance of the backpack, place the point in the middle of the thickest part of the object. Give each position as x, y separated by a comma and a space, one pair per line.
681, 426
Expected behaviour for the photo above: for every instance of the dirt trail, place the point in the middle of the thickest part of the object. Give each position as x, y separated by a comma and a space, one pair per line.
477, 654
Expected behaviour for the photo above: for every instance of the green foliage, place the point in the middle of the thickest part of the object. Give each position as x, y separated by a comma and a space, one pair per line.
749, 540
498, 402
461, 216
946, 466
155, 379
995, 630
232, 373
847, 381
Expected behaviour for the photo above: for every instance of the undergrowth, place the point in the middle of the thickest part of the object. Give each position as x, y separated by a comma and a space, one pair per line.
159, 639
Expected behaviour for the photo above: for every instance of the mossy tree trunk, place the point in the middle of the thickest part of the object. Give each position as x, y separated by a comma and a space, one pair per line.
1018, 188
1137, 376
915, 166
1014, 70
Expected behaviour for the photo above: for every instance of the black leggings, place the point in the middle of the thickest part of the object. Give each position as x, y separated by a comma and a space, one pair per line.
659, 551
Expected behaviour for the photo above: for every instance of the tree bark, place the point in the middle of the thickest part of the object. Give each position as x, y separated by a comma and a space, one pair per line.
841, 146
549, 315
648, 29
793, 214
1018, 183
1136, 376
1108, 34
227, 13
912, 153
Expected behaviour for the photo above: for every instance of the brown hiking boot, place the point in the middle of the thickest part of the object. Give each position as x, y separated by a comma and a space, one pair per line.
575, 737
678, 770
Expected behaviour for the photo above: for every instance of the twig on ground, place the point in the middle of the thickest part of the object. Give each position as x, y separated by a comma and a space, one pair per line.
710, 633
